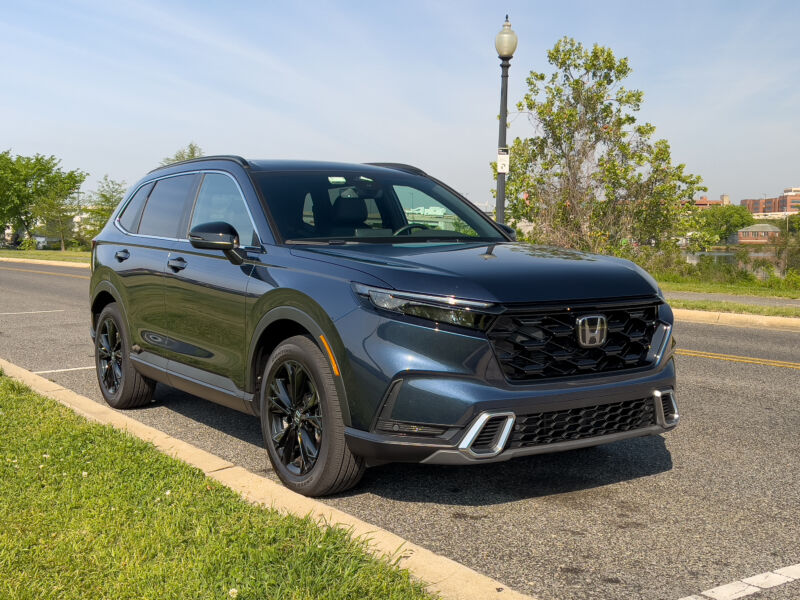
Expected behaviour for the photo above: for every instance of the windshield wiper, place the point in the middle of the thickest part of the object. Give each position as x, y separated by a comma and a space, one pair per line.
318, 242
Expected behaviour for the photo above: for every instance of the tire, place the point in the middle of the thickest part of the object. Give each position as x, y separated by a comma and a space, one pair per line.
121, 385
300, 414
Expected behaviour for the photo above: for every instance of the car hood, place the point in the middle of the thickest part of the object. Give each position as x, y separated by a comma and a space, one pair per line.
505, 272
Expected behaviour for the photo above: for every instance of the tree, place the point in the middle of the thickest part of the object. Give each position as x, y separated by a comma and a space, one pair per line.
99, 206
721, 221
591, 177
191, 151
35, 189
794, 223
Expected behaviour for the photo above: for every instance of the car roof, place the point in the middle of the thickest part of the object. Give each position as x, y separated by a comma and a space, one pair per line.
283, 165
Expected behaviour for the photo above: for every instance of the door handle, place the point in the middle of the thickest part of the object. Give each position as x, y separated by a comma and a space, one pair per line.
177, 264
121, 255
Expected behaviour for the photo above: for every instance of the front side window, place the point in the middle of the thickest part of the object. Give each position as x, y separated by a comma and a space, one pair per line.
352, 206
219, 199
166, 206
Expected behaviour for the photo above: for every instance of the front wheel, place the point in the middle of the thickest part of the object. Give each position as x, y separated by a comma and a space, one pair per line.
302, 423
121, 384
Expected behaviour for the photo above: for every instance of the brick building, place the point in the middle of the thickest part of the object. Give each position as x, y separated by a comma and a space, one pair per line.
703, 202
789, 201
760, 233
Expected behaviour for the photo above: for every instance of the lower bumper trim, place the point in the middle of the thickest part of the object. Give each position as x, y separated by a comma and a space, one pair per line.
452, 456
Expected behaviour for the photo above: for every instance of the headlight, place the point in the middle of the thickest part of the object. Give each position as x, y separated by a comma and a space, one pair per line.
441, 309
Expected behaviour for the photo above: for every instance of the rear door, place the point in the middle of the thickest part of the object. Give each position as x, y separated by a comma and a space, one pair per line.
152, 220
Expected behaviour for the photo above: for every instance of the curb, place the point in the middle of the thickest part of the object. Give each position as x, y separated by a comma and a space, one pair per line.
737, 319
51, 263
445, 577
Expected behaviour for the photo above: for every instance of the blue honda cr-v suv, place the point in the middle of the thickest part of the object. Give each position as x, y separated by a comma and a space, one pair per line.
369, 313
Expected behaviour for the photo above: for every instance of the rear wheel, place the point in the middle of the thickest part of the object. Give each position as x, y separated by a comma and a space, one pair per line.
302, 423
121, 385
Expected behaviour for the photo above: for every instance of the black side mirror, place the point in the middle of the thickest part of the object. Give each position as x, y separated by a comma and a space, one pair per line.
218, 235
512, 233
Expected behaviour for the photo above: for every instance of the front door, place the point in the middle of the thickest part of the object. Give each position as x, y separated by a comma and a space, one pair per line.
205, 294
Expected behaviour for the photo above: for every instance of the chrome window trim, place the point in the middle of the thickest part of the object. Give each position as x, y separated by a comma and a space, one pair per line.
155, 180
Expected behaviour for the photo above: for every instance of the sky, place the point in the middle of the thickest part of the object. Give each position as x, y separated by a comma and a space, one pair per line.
114, 87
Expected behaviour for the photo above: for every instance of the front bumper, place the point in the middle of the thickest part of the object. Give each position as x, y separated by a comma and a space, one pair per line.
567, 408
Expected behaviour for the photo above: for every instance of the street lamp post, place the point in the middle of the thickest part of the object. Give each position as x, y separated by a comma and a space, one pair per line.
505, 43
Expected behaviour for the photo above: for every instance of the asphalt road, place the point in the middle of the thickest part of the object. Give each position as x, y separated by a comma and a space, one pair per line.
714, 501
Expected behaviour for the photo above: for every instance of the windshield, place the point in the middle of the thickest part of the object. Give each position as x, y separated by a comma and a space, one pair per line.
351, 207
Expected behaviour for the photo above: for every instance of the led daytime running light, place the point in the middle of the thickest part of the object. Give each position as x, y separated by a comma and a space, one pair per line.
441, 309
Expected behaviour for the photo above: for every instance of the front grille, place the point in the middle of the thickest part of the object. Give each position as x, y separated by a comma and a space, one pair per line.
579, 423
534, 345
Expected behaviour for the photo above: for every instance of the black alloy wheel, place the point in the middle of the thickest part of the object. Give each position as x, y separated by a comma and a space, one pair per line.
301, 420
109, 356
295, 417
121, 384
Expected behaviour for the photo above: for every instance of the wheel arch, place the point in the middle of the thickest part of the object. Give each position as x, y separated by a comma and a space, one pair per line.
284, 322
103, 295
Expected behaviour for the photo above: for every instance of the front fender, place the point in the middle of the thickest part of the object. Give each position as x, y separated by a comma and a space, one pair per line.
308, 314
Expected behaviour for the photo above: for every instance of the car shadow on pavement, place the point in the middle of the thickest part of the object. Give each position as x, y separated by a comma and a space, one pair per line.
214, 416
527, 477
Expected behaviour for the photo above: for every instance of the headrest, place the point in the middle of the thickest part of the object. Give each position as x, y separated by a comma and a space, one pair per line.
349, 211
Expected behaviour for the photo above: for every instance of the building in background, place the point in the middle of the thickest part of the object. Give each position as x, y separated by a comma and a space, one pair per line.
703, 202
760, 233
786, 203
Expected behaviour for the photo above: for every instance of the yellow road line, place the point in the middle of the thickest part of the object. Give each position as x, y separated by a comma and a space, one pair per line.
45, 272
740, 359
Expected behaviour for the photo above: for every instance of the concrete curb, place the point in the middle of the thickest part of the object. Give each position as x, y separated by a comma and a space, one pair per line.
737, 319
445, 577
52, 263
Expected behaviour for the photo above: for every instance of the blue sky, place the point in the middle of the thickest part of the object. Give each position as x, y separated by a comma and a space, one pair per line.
113, 87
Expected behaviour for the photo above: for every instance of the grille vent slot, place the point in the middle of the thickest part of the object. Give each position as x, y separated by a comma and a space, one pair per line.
486, 438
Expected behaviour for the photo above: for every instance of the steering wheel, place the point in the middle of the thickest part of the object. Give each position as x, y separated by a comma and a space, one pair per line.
409, 227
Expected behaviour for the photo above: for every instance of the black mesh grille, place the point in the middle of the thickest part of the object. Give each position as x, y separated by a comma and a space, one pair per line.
535, 345
488, 433
579, 423
666, 405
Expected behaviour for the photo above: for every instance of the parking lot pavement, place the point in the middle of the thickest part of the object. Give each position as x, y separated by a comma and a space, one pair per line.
711, 503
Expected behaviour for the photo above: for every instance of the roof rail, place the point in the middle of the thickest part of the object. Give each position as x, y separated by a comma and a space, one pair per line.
232, 157
399, 167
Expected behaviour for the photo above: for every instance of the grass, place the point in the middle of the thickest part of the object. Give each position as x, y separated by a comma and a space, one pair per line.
743, 289
735, 307
80, 256
91, 512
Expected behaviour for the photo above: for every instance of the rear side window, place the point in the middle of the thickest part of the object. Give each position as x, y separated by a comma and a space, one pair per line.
219, 200
129, 220
166, 207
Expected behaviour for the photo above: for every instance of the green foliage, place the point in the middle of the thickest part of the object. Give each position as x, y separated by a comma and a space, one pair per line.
35, 189
591, 177
737, 307
99, 206
794, 223
721, 221
27, 244
190, 151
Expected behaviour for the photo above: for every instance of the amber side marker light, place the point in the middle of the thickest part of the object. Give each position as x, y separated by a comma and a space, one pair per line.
330, 355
